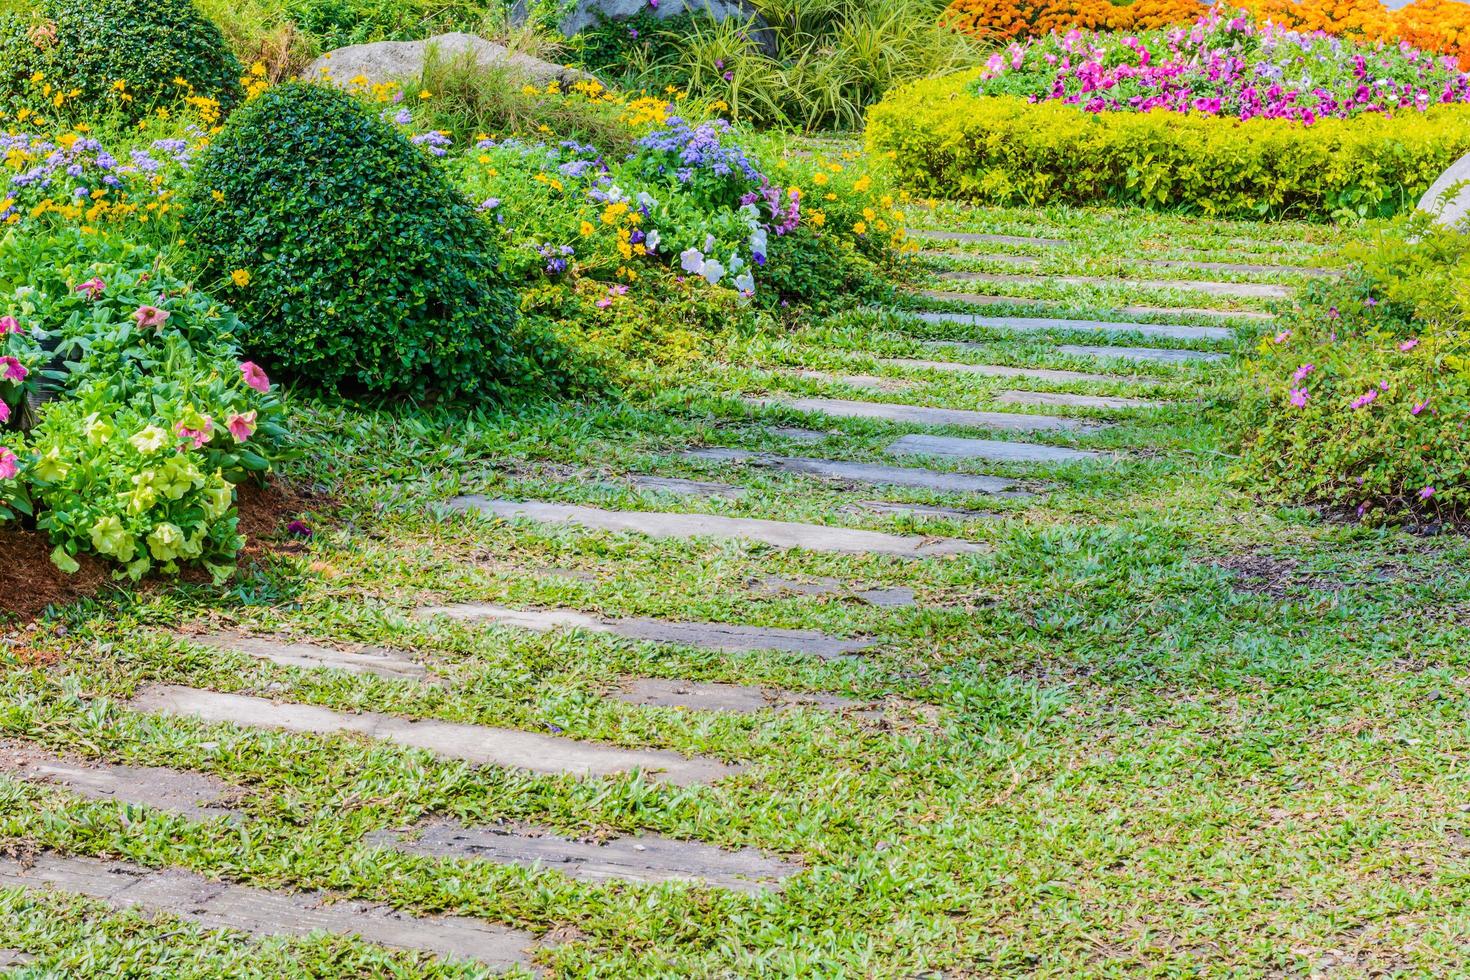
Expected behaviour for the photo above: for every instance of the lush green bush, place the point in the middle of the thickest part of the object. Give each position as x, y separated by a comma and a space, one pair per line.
946, 142
129, 57
151, 417
359, 265
1361, 397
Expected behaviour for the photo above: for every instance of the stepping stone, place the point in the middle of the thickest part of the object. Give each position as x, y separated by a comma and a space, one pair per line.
260, 912
999, 370
475, 744
642, 858
920, 415
699, 696
1248, 290
968, 236
684, 488
876, 474
866, 381
12, 958
976, 299
1242, 267
779, 534
190, 795
796, 434
375, 661
922, 510
998, 259
1026, 324
988, 449
776, 585
1013, 397
1142, 353
708, 636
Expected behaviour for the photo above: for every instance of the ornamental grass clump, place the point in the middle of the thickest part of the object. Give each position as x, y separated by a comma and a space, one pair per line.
122, 58
360, 267
1359, 397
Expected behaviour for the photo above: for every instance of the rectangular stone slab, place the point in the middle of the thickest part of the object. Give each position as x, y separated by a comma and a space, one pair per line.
1036, 324
919, 415
989, 449
375, 661
705, 696
869, 382
894, 597
875, 474
1132, 309
922, 510
1245, 290
475, 744
1166, 356
970, 236
12, 958
1242, 267
1063, 398
778, 534
708, 636
643, 858
190, 795
260, 912
1000, 370
683, 488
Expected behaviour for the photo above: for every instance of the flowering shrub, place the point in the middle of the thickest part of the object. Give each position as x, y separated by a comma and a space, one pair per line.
357, 262
1361, 398
150, 419
1009, 19
944, 140
128, 58
1225, 65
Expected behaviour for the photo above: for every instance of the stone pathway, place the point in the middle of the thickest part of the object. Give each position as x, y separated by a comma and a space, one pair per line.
1023, 324
921, 415
1127, 309
1244, 290
870, 473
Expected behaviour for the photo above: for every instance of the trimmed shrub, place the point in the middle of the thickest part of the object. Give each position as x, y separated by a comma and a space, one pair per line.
1360, 397
127, 56
946, 142
360, 266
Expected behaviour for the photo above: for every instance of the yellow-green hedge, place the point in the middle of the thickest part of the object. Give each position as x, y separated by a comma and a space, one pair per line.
946, 142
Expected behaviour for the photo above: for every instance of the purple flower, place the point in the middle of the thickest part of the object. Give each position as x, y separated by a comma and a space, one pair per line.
1301, 372
1409, 344
1419, 408
1426, 493
298, 529
1298, 398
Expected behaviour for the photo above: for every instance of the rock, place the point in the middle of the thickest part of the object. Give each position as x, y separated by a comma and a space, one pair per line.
584, 14
1445, 200
391, 61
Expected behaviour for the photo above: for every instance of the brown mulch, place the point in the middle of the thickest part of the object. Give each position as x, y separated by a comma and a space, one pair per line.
29, 582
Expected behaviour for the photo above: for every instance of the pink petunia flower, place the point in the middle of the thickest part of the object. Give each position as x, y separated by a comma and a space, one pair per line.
1409, 345
242, 426
12, 370
9, 324
150, 316
196, 437
4, 412
9, 464
255, 377
93, 287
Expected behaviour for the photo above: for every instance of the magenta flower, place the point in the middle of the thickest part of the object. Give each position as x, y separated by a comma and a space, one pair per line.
1409, 345
9, 324
1419, 408
1426, 493
12, 370
1370, 302
241, 426
150, 316
196, 437
1365, 399
298, 529
255, 377
9, 464
1298, 398
1301, 372
1332, 314
4, 412
1283, 336
92, 288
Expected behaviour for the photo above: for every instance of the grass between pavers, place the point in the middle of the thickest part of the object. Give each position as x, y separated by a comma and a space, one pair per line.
1114, 746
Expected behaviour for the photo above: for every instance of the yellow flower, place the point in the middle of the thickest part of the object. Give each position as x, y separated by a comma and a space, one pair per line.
426, 94
818, 218
219, 196
240, 277
587, 228
820, 179
861, 228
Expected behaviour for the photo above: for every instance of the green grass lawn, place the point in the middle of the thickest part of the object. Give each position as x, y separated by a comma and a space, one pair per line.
1155, 728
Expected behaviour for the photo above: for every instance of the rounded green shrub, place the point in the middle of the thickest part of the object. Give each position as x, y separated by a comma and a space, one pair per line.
359, 265
128, 56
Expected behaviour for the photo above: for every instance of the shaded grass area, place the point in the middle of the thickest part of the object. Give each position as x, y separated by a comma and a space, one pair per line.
1158, 728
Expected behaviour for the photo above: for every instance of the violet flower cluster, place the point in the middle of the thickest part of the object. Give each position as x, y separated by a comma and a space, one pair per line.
77, 168
1226, 65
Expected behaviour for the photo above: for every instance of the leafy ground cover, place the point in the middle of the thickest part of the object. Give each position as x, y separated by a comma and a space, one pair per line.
1154, 726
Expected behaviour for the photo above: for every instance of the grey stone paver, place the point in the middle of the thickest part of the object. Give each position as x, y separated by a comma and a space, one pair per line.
922, 415
1002, 370
375, 661
1247, 290
893, 597
706, 696
1242, 267
725, 637
970, 236
260, 912
921, 510
12, 958
876, 474
475, 744
780, 534
1027, 324
1131, 309
683, 488
988, 449
641, 858
1163, 355
869, 382
1017, 397
191, 795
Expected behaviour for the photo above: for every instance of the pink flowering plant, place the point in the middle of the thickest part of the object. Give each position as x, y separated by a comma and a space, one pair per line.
1364, 401
1225, 65
148, 416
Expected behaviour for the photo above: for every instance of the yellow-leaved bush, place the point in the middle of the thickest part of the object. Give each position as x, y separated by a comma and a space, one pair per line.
944, 141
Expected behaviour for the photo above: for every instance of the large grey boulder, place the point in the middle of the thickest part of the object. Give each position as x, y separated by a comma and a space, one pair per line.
590, 13
1448, 198
391, 61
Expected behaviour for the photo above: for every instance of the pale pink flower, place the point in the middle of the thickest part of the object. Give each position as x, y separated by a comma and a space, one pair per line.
150, 316
1298, 398
1303, 371
1409, 345
1426, 493
9, 324
9, 464
1283, 336
93, 287
242, 426
12, 370
255, 377
196, 437
1365, 399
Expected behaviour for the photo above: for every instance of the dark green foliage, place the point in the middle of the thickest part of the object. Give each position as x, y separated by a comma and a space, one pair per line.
88, 46
368, 271
338, 23
807, 267
641, 43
